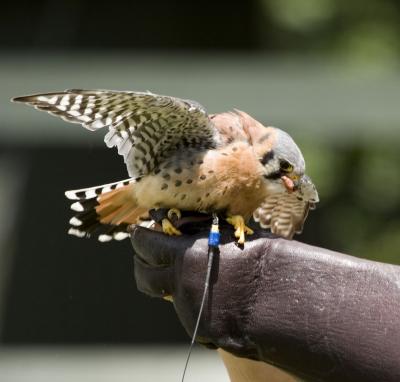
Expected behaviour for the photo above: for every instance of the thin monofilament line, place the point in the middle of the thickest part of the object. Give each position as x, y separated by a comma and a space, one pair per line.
209, 265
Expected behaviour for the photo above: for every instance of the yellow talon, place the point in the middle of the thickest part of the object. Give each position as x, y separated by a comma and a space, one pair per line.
168, 297
172, 212
240, 227
169, 229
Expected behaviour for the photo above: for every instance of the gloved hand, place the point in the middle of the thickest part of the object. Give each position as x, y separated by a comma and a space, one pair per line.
322, 315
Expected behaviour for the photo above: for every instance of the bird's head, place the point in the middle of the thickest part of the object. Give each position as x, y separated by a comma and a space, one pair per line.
284, 166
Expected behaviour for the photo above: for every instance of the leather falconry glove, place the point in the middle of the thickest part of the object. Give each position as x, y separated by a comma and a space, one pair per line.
318, 314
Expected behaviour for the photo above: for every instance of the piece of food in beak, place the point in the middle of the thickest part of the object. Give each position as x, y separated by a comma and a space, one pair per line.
288, 183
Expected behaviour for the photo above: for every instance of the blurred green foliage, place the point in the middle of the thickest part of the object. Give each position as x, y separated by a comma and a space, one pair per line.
359, 186
358, 180
364, 31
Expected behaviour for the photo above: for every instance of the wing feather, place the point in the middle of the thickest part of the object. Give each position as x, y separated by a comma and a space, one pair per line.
285, 213
144, 127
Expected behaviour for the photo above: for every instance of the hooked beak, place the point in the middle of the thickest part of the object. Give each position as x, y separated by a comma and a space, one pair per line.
303, 185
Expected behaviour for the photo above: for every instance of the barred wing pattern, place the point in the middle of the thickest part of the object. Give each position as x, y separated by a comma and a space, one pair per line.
146, 128
284, 214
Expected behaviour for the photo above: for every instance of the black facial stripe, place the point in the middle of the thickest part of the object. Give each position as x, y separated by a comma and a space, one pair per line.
274, 175
267, 157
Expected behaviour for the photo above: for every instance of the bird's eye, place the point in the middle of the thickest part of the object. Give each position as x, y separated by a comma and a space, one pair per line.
286, 166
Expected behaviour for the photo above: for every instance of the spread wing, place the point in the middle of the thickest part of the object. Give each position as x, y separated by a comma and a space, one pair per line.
285, 213
146, 128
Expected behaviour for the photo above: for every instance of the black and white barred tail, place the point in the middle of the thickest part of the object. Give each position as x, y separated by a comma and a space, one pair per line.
105, 211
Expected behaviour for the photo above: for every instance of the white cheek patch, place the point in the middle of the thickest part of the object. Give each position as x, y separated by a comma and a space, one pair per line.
275, 186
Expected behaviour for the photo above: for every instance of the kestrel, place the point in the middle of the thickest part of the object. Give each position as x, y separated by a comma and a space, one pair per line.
180, 158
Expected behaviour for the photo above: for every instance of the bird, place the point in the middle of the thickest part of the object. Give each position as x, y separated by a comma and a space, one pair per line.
179, 157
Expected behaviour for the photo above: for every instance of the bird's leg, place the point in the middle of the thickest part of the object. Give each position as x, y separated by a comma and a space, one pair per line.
240, 227
167, 226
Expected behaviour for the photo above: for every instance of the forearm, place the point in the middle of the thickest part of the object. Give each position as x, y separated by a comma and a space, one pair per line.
327, 313
248, 370
321, 315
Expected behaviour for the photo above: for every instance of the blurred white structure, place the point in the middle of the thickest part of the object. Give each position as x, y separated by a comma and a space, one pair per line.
108, 364
304, 95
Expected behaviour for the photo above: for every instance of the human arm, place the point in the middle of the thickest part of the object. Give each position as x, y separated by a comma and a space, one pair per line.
321, 315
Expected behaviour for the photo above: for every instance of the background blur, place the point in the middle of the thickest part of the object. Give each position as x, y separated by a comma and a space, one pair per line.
325, 71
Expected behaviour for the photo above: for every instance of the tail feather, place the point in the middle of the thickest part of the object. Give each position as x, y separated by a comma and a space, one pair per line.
106, 211
93, 192
85, 220
114, 233
115, 216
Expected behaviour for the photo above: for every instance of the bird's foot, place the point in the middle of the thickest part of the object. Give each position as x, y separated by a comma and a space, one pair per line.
240, 227
169, 228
